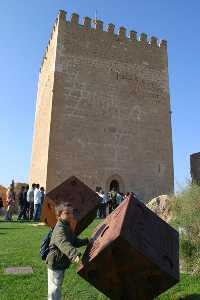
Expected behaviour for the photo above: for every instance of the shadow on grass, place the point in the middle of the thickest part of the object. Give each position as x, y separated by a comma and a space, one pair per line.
191, 297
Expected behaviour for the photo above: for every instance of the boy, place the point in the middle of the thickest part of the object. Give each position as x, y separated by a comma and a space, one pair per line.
62, 250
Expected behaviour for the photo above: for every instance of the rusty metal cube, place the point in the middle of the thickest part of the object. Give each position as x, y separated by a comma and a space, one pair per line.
83, 200
133, 254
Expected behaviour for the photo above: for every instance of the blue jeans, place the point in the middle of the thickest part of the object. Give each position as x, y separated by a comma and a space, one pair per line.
37, 210
55, 280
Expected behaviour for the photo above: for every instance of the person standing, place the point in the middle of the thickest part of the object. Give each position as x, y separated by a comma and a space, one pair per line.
113, 197
98, 189
30, 200
26, 208
22, 204
102, 205
10, 200
134, 196
109, 203
37, 203
119, 199
42, 195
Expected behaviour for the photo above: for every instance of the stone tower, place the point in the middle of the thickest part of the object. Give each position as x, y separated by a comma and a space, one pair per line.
103, 110
195, 167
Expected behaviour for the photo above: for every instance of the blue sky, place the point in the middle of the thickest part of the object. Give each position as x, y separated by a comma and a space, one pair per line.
25, 29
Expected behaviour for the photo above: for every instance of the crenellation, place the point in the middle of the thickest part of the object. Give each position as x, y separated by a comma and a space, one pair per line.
163, 44
133, 35
122, 34
45, 55
111, 28
154, 41
107, 91
98, 25
143, 38
87, 22
61, 14
75, 19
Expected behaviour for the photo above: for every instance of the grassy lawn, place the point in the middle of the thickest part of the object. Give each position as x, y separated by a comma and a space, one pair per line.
19, 246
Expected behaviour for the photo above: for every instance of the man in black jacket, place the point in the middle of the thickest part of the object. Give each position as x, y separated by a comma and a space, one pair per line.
22, 204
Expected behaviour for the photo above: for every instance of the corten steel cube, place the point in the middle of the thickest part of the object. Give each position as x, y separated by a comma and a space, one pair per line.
48, 213
133, 255
83, 200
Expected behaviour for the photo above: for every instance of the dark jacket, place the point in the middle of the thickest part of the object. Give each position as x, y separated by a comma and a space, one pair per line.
22, 198
62, 247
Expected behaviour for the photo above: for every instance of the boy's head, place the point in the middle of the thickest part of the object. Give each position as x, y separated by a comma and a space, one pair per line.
64, 211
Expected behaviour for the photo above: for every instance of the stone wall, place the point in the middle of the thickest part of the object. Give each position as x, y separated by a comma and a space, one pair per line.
41, 134
195, 167
3, 192
108, 116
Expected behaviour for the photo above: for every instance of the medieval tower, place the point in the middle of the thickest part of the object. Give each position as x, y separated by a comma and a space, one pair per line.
103, 110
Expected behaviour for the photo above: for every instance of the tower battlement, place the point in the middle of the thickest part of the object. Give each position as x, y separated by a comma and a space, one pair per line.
103, 109
132, 39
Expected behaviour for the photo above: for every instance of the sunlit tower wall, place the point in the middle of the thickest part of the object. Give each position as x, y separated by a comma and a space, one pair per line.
103, 110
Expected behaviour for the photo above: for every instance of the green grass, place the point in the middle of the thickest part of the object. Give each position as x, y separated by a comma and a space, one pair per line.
19, 246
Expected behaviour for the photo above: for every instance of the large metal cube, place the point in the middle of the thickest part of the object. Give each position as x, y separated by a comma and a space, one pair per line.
134, 254
83, 200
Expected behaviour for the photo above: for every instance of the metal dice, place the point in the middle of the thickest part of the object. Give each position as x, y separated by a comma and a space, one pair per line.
83, 200
133, 255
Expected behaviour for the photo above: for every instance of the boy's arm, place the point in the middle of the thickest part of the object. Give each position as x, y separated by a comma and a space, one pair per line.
65, 246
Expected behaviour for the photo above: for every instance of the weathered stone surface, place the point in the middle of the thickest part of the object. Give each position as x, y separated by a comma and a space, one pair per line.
3, 193
195, 167
103, 111
161, 206
18, 270
83, 200
134, 254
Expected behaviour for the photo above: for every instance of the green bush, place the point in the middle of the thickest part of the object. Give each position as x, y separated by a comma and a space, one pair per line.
187, 248
186, 219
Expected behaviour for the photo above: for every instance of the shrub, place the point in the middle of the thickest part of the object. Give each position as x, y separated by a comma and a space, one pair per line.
186, 219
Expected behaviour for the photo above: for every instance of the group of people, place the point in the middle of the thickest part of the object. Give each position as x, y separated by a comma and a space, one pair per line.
28, 201
109, 201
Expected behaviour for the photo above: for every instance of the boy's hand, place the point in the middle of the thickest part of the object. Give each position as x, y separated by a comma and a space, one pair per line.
77, 259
